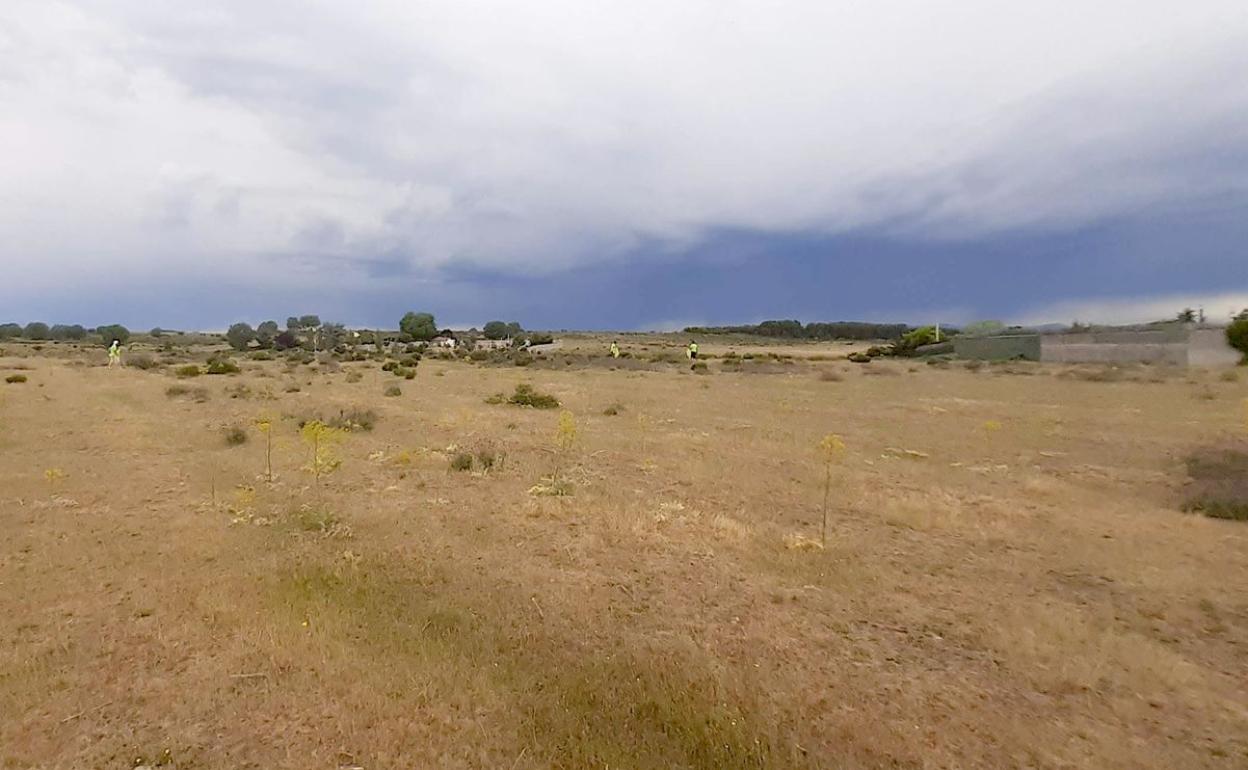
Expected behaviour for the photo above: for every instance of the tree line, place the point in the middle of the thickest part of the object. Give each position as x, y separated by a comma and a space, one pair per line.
39, 331
821, 330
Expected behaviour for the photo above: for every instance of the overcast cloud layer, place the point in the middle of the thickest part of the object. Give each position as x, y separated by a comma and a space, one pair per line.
363, 157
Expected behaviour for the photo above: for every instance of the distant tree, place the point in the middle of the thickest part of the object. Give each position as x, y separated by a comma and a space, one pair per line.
286, 340
63, 332
309, 321
292, 323
419, 326
331, 335
9, 331
265, 333
983, 328
514, 329
157, 332
36, 330
112, 332
495, 330
1186, 315
240, 335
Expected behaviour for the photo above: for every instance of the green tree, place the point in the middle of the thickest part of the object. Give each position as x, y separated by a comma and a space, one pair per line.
1186, 315
112, 332
1237, 334
240, 335
63, 332
292, 323
420, 326
9, 331
514, 329
265, 333
495, 330
36, 330
309, 321
983, 328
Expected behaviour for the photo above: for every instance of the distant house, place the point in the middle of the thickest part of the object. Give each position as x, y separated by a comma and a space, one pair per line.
443, 341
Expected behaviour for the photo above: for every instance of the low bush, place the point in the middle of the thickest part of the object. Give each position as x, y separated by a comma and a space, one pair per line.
199, 395
1218, 482
314, 519
462, 461
699, 367
830, 375
235, 436
859, 358
613, 410
14, 379
238, 391
487, 458
142, 361
354, 419
261, 355
354, 376
525, 395
189, 370
392, 391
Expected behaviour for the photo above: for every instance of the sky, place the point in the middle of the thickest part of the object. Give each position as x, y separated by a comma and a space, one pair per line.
602, 164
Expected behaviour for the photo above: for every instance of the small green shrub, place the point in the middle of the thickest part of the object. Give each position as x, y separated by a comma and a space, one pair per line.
859, 358
497, 398
525, 395
189, 370
392, 391
292, 387
261, 355
14, 379
235, 436
613, 410
461, 462
222, 366
1237, 334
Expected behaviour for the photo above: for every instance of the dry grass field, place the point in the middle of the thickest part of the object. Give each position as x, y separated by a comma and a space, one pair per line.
1008, 580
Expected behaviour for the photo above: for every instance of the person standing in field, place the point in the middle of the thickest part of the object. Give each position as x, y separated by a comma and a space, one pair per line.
615, 349
692, 352
114, 354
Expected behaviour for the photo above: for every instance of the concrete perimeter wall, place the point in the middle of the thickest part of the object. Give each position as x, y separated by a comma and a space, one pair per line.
1162, 346
1177, 346
1208, 347
1008, 347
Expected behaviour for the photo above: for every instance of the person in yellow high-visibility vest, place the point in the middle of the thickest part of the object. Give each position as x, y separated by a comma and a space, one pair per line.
615, 349
692, 352
114, 354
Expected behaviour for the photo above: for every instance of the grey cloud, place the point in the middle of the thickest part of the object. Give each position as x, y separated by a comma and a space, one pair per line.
534, 137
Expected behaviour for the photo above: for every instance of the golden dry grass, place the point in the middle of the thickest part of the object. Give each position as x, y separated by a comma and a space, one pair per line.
1025, 595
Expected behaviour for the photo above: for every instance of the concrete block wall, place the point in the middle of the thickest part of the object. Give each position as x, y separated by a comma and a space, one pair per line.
1176, 346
